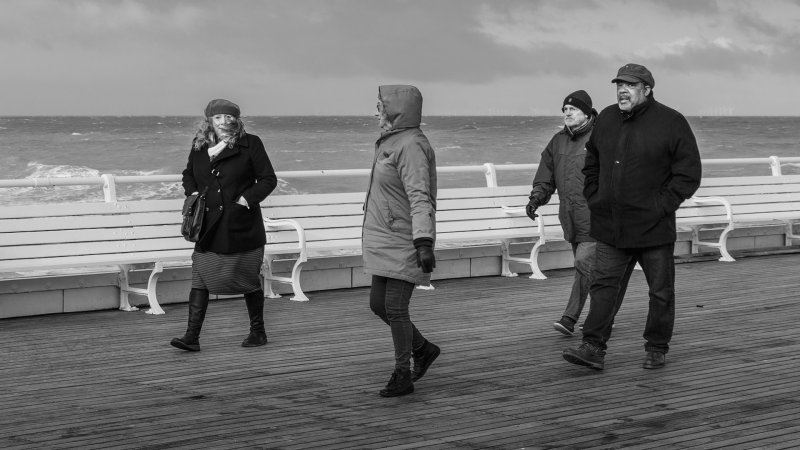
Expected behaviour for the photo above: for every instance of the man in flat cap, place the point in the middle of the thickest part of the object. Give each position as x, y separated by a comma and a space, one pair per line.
559, 170
642, 162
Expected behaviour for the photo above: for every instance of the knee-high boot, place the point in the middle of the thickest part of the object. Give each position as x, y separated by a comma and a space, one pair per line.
198, 304
255, 309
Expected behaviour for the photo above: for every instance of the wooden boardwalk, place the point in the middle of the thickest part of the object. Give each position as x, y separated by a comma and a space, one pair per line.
109, 379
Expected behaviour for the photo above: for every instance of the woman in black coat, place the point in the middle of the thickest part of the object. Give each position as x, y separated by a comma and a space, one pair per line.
233, 170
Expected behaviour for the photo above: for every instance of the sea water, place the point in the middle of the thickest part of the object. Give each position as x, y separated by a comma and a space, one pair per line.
72, 146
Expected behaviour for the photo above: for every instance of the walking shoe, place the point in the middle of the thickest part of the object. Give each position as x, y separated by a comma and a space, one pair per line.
565, 326
255, 339
586, 355
187, 342
654, 360
399, 384
423, 358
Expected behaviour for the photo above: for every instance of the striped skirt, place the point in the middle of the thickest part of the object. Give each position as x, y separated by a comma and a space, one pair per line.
236, 273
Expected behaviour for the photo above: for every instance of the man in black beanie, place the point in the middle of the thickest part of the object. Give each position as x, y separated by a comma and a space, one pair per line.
560, 170
642, 162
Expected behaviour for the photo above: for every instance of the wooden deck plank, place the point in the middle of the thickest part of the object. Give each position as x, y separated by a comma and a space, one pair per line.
109, 379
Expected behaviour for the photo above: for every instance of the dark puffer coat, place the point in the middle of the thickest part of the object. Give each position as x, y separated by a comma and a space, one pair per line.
560, 168
639, 168
244, 170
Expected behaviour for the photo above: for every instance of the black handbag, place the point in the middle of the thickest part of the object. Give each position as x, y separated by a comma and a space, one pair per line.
194, 210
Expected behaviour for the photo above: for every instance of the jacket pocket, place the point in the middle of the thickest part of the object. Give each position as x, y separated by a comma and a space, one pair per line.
240, 218
396, 221
660, 205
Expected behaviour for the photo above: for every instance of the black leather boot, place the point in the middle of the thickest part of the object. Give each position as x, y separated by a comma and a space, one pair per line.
198, 304
255, 308
399, 384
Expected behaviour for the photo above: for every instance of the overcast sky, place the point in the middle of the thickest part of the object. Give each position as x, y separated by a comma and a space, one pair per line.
297, 57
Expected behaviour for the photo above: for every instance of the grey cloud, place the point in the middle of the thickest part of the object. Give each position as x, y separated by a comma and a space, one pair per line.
403, 40
749, 22
728, 61
684, 7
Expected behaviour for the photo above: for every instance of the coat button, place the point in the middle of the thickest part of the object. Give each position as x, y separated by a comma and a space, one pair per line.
220, 208
219, 190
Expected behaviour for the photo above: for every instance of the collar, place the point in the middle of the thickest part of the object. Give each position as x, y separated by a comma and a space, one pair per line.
581, 130
638, 109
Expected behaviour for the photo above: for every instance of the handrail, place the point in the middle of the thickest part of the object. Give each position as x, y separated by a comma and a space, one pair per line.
490, 170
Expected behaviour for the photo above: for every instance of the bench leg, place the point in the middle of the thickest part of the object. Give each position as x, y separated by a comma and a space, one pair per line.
266, 278
124, 289
790, 233
299, 295
155, 308
532, 261
506, 269
721, 244
536, 273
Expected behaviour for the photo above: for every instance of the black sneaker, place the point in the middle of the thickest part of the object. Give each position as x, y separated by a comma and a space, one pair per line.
565, 326
586, 355
399, 384
423, 358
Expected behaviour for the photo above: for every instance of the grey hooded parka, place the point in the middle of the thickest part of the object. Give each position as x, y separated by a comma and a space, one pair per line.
400, 205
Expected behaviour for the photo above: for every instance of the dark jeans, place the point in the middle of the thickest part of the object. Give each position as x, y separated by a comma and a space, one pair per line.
612, 271
584, 262
389, 299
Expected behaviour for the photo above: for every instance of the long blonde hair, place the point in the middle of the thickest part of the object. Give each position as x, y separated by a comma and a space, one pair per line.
207, 137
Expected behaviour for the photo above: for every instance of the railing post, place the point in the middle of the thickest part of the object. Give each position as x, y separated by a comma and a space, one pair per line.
491, 175
775, 165
109, 188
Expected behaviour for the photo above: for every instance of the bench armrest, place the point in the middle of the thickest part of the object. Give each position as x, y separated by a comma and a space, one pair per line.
266, 271
520, 210
301, 233
720, 200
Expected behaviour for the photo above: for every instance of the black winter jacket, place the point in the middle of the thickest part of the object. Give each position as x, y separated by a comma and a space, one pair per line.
639, 168
560, 168
244, 170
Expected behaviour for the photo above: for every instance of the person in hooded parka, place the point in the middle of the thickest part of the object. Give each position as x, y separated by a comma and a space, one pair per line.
399, 230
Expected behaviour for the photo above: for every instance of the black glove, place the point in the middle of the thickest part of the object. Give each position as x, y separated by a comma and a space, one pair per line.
425, 257
530, 209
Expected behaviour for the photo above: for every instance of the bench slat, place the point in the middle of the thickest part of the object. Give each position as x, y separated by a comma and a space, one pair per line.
107, 236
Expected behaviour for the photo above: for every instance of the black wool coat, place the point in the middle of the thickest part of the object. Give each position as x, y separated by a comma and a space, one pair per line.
244, 170
639, 168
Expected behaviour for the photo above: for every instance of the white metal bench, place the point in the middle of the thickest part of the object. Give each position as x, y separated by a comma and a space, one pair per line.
323, 225
731, 202
497, 215
332, 223
121, 234
723, 203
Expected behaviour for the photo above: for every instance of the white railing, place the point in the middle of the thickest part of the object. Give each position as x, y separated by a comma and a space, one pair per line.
109, 182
